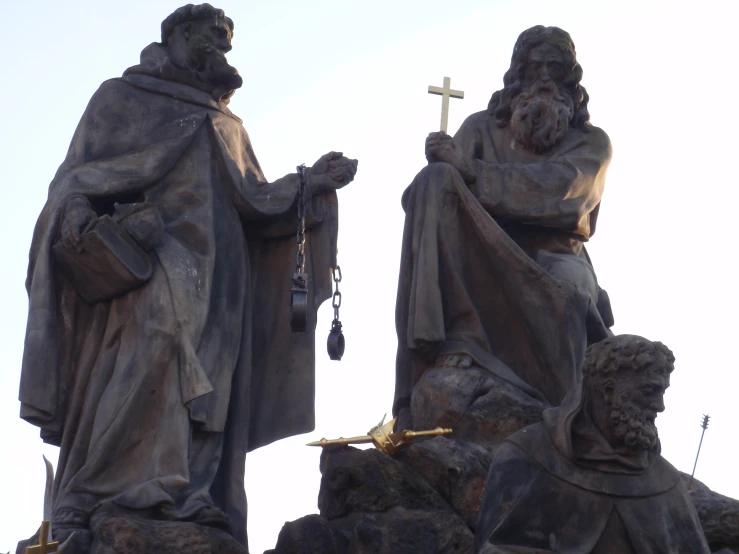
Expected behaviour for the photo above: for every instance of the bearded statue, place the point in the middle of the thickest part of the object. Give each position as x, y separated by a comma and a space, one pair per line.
158, 349
542, 95
590, 478
494, 275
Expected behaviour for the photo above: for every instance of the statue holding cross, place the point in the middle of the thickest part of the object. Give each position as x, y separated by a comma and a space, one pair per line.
494, 273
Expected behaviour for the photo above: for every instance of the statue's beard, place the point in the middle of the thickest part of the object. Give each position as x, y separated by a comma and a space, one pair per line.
211, 67
540, 116
633, 426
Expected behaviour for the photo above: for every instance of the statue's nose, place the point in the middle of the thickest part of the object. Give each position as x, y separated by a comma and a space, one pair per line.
222, 44
658, 405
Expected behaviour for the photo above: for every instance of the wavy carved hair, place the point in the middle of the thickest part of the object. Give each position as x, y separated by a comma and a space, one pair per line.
500, 104
192, 12
627, 353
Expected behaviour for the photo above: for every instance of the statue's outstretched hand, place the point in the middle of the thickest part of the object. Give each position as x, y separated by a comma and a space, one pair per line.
332, 172
441, 147
78, 214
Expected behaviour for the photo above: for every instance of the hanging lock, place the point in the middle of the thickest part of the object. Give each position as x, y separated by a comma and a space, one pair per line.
299, 303
336, 343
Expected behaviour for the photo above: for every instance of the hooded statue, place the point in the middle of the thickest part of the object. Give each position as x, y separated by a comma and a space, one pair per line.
156, 393
589, 478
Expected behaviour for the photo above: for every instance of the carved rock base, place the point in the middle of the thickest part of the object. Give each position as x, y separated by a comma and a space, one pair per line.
126, 535
397, 531
428, 497
371, 502
456, 469
719, 516
480, 406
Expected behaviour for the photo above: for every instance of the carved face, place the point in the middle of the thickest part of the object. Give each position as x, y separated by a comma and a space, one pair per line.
542, 111
634, 400
207, 42
215, 32
545, 63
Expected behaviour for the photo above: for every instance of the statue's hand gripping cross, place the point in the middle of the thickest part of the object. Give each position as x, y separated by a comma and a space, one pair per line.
446, 92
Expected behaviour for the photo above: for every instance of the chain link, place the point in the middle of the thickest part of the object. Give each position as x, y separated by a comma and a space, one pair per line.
300, 256
336, 300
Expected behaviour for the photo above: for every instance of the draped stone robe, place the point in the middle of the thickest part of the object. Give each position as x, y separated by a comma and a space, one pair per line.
496, 269
559, 486
155, 397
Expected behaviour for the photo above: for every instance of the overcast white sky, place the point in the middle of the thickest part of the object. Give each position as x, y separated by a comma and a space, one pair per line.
352, 76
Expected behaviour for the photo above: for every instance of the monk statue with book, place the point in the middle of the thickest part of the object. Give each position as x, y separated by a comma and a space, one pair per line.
158, 348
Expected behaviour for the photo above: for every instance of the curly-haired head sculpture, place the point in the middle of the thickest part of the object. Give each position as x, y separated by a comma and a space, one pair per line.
627, 353
625, 378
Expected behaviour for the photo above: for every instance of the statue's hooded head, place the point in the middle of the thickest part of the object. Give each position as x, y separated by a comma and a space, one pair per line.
197, 38
542, 96
624, 383
608, 420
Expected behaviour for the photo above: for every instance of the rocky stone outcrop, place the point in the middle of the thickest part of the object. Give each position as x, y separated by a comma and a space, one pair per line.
369, 481
427, 499
127, 535
397, 531
480, 406
719, 516
372, 503
456, 469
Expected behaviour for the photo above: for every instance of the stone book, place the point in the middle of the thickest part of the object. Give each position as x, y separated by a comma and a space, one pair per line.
108, 264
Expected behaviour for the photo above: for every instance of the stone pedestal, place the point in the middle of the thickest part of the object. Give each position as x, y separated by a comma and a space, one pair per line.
427, 498
131, 535
372, 503
124, 535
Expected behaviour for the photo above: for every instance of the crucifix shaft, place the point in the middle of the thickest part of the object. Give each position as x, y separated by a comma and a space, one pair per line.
446, 92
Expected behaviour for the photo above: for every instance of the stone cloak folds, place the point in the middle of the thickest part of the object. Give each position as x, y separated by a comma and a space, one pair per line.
495, 269
156, 396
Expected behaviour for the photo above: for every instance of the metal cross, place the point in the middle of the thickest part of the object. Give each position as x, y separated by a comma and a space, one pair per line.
43, 546
446, 92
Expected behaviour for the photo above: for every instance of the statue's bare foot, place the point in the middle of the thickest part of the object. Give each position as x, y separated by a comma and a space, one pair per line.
213, 517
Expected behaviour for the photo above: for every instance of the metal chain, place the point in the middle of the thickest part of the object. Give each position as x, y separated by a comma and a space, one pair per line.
300, 256
299, 290
336, 300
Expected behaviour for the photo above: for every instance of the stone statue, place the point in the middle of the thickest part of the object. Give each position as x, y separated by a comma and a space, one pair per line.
158, 349
589, 478
497, 304
494, 273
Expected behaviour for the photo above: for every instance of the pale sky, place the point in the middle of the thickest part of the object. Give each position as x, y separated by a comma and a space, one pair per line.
352, 76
